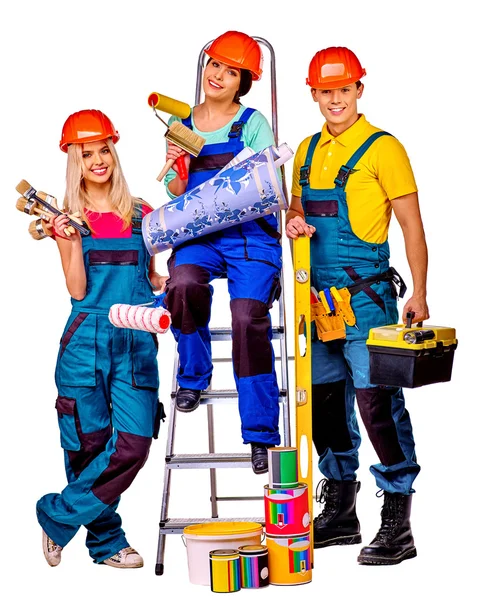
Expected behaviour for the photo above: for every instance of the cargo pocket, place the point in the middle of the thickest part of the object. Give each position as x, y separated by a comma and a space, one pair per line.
160, 416
276, 291
77, 356
145, 366
67, 422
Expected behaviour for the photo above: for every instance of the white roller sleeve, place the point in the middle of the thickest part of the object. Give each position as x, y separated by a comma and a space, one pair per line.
145, 318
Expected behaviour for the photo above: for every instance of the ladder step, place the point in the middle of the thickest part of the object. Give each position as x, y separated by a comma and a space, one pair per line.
208, 461
227, 396
178, 525
221, 334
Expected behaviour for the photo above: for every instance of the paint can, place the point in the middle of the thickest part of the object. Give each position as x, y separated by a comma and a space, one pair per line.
289, 559
283, 467
254, 566
225, 570
287, 510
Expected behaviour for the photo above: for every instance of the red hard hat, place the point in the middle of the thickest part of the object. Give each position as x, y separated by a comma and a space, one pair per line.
333, 68
87, 126
237, 50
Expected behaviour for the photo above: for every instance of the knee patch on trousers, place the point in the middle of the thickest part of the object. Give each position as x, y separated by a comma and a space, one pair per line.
92, 444
129, 456
188, 297
329, 418
375, 406
251, 347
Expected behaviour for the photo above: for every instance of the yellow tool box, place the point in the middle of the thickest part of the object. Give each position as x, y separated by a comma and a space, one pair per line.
406, 356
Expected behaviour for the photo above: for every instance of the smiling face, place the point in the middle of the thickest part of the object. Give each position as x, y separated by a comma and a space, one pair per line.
338, 106
221, 82
98, 162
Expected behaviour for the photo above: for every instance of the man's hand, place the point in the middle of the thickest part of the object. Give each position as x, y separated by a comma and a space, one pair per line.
417, 305
297, 226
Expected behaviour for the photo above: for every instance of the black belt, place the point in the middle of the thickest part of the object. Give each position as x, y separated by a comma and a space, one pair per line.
391, 275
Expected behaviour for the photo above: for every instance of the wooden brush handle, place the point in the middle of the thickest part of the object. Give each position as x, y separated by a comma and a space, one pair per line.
166, 168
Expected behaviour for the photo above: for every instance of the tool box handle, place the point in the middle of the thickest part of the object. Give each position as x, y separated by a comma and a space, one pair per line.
410, 316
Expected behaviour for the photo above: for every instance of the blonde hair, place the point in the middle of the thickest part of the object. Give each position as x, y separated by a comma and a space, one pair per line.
76, 195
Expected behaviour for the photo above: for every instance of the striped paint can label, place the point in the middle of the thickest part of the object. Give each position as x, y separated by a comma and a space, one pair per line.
287, 510
254, 566
283, 467
225, 570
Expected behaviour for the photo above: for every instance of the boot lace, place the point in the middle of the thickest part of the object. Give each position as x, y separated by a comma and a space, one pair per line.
391, 513
326, 494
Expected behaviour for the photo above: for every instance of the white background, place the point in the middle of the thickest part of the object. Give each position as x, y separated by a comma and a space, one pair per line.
60, 57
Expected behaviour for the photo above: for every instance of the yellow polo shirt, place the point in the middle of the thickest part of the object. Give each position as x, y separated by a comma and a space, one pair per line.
382, 174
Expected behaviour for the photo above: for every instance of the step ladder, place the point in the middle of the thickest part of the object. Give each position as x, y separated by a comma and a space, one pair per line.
213, 460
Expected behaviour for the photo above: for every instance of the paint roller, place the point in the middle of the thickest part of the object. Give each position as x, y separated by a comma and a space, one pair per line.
177, 133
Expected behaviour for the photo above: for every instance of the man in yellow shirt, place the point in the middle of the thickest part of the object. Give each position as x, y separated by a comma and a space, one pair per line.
346, 182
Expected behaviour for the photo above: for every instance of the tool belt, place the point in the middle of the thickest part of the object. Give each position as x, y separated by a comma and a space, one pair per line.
331, 308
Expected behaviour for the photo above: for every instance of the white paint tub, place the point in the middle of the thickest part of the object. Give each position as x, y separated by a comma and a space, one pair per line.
215, 535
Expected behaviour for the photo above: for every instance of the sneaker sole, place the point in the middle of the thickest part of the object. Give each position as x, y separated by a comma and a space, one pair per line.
383, 560
339, 541
120, 566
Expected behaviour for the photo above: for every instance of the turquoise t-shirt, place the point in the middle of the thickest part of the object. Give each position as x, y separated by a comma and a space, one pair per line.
256, 133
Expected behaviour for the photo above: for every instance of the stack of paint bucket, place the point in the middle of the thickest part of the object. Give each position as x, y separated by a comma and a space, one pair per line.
287, 520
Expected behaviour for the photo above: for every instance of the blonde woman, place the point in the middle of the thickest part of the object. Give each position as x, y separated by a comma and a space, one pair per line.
107, 378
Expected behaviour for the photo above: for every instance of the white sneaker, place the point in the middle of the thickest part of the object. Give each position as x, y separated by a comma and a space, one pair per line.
51, 551
127, 558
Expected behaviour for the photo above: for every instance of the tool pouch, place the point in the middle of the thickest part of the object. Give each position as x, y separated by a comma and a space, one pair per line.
329, 327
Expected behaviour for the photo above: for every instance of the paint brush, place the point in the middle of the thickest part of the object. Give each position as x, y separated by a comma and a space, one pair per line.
176, 133
30, 193
37, 229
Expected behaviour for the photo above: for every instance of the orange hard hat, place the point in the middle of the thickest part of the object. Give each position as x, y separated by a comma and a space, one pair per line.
237, 50
87, 126
334, 67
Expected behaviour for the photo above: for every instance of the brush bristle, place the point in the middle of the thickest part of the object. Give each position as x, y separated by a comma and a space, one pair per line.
23, 187
21, 203
36, 230
186, 139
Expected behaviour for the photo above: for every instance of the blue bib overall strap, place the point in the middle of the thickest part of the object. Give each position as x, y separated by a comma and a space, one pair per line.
137, 218
213, 157
345, 170
305, 169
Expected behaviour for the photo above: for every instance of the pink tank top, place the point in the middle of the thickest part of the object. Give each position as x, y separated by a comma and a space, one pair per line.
109, 225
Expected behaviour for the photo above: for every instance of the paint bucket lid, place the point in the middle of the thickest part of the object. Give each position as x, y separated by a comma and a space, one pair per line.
224, 553
233, 528
282, 449
283, 490
253, 549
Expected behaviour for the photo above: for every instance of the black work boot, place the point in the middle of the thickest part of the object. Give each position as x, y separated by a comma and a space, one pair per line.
187, 400
394, 540
337, 524
259, 458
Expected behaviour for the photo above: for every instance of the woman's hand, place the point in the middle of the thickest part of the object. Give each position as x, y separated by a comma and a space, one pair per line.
62, 229
297, 226
175, 152
158, 281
